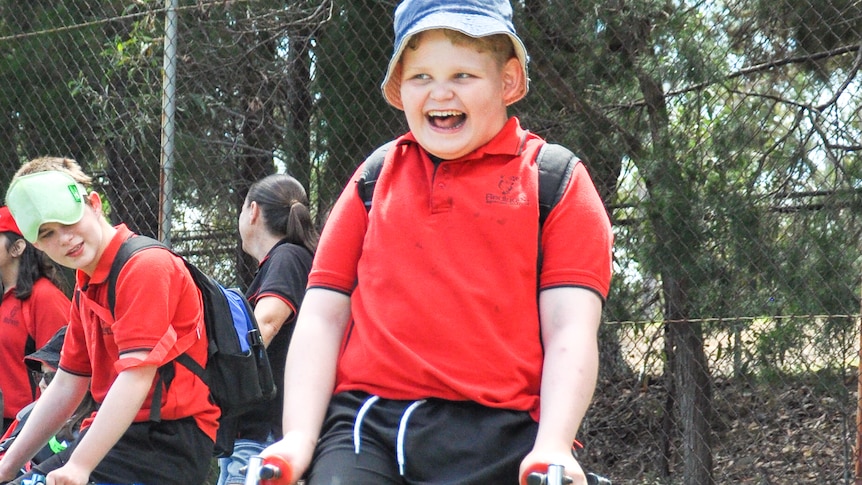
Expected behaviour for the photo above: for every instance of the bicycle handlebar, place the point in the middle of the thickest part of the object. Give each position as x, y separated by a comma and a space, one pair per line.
277, 471
271, 470
556, 476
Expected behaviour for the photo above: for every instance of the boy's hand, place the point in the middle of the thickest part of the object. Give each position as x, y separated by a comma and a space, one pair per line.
296, 449
69, 474
538, 460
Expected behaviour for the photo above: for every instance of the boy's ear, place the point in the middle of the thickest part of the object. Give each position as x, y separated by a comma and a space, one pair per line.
95, 202
514, 83
393, 88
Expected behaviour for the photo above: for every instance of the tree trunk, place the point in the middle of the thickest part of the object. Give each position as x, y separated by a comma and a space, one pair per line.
692, 386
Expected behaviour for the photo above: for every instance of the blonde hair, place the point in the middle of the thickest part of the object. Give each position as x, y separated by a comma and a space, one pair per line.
58, 164
498, 45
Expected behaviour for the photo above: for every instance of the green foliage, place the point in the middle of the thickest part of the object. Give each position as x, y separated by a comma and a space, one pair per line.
39, 114
351, 56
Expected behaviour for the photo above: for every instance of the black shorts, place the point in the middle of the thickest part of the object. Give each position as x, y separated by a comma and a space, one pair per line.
371, 441
151, 453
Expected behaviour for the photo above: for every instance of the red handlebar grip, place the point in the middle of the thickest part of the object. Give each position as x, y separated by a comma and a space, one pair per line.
284, 475
537, 468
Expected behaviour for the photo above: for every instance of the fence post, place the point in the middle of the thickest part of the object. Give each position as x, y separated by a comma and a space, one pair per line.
169, 102
858, 451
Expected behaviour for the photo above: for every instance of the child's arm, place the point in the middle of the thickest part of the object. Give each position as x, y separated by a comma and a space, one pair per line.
53, 408
121, 404
570, 320
310, 374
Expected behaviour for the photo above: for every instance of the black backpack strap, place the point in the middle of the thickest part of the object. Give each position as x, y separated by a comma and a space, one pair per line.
370, 172
129, 247
556, 164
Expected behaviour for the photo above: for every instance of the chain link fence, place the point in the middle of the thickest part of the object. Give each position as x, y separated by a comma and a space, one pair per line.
724, 137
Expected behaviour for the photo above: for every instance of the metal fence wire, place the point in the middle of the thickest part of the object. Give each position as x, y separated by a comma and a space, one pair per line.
724, 137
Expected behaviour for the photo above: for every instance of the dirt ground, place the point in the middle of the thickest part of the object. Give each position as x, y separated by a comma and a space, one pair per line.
798, 430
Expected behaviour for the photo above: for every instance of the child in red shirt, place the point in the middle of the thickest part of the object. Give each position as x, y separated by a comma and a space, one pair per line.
32, 309
116, 356
421, 353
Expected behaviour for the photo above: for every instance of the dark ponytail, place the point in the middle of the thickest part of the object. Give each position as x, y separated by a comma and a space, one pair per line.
284, 205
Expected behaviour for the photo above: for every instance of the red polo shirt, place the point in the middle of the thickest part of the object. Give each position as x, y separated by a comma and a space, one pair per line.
157, 303
35, 319
442, 271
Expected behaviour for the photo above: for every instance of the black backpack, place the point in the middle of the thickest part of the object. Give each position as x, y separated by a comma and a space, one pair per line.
237, 373
556, 164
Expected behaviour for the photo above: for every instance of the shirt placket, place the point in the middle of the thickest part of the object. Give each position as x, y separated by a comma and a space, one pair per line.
441, 188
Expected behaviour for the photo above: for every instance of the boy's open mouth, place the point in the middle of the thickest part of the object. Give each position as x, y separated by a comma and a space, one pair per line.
446, 119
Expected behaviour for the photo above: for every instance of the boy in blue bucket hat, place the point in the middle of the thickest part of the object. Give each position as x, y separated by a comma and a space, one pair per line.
422, 354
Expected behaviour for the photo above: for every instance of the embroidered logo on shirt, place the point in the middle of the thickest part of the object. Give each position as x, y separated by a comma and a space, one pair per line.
13, 317
506, 196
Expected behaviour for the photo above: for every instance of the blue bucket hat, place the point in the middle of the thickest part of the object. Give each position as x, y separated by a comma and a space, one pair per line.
476, 18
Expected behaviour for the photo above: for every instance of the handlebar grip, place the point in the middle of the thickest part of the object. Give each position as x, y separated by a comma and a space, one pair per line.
535, 478
556, 476
278, 470
533, 475
272, 470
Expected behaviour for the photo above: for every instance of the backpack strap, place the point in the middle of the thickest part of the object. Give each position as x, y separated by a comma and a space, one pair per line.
129, 247
167, 371
556, 164
370, 172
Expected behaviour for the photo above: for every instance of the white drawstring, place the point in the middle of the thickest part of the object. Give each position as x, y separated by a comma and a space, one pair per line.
402, 430
358, 423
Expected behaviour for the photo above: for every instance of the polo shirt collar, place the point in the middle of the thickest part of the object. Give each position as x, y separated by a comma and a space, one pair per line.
105, 260
510, 140
272, 250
